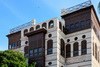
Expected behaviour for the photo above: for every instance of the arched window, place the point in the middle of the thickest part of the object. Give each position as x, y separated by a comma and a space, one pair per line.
93, 49
49, 47
26, 51
75, 49
62, 47
83, 47
44, 25
98, 56
51, 24
31, 29
38, 26
25, 31
68, 50
60, 25
96, 51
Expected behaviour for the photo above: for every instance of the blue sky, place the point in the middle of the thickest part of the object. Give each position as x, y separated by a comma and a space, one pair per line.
17, 12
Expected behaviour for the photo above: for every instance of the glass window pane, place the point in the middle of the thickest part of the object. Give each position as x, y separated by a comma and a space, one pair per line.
77, 26
31, 52
49, 51
71, 27
84, 51
26, 55
68, 27
35, 52
40, 51
75, 53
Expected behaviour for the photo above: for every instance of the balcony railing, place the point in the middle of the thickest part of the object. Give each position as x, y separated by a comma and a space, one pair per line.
16, 29
76, 8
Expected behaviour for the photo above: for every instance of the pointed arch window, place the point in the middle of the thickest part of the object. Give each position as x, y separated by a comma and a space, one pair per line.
49, 47
62, 47
83, 47
68, 50
75, 49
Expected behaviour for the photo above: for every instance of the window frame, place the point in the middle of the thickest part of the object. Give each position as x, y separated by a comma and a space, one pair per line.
83, 47
49, 47
68, 50
51, 24
75, 49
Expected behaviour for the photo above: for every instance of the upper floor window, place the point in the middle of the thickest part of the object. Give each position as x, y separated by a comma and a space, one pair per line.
88, 22
72, 27
31, 52
35, 52
96, 51
26, 51
62, 47
38, 26
68, 50
31, 29
51, 24
25, 31
44, 25
49, 47
82, 24
40, 51
93, 48
26, 55
77, 25
10, 46
75, 49
84, 47
68, 28
60, 25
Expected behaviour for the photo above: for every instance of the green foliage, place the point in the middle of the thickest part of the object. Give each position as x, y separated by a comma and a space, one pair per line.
11, 58
32, 65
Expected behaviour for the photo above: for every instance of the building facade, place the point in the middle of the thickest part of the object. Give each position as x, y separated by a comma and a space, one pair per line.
73, 41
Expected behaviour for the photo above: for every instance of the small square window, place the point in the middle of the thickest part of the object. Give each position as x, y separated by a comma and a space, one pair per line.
49, 51
82, 24
35, 52
68, 27
26, 55
31, 52
87, 22
40, 51
10, 46
77, 26
84, 51
75, 53
72, 27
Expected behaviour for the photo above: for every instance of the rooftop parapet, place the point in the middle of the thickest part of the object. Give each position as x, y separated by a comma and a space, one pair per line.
76, 8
